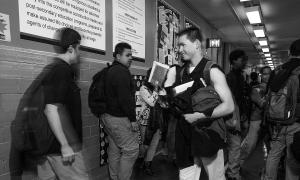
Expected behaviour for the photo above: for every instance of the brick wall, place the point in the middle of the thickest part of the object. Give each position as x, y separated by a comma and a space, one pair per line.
18, 67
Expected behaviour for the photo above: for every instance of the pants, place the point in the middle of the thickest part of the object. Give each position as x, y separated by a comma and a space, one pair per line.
234, 151
150, 153
214, 166
171, 137
250, 141
51, 167
123, 146
281, 140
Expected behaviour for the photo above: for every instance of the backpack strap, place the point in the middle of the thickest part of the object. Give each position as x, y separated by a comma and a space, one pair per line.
206, 72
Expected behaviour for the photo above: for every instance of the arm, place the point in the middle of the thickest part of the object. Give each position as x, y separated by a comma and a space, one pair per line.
171, 77
226, 107
55, 113
220, 84
149, 98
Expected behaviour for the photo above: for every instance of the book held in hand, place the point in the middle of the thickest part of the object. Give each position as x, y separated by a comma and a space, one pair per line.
182, 87
158, 73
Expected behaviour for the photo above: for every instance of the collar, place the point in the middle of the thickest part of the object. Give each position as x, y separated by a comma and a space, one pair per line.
118, 63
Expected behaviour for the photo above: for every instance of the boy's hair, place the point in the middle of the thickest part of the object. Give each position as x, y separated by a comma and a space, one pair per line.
234, 55
67, 37
295, 48
119, 48
253, 76
263, 68
192, 34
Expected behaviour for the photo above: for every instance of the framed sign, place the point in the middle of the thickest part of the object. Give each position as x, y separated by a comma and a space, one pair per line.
129, 25
41, 19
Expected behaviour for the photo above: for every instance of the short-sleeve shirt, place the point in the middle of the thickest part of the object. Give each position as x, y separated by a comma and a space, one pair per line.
60, 88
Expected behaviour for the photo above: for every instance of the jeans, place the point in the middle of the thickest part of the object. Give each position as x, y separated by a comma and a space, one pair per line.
51, 167
234, 151
250, 141
281, 140
123, 146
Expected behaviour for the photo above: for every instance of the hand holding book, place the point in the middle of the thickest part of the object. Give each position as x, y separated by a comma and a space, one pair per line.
158, 74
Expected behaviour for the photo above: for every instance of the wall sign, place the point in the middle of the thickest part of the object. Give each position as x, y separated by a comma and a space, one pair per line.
129, 25
213, 42
41, 18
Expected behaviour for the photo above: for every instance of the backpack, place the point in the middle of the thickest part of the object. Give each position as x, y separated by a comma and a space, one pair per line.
31, 132
281, 105
96, 96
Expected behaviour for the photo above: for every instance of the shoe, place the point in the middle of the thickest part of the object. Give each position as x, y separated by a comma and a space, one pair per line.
147, 168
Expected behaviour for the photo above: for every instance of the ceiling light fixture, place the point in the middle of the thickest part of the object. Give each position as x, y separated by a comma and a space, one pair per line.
269, 59
268, 55
259, 31
263, 42
265, 50
253, 15
244, 0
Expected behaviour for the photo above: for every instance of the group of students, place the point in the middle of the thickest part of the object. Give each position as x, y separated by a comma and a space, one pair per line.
236, 124
208, 118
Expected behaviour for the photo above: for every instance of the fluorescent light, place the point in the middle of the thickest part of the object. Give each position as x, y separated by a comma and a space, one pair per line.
263, 42
259, 31
244, 0
269, 58
253, 15
268, 55
265, 49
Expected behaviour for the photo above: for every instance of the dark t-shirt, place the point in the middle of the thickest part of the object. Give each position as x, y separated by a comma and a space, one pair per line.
60, 88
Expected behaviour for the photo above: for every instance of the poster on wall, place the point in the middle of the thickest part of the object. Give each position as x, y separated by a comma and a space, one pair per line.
129, 25
168, 24
41, 18
4, 27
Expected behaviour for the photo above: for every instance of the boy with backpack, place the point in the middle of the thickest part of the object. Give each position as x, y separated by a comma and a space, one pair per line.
282, 113
189, 154
118, 115
49, 116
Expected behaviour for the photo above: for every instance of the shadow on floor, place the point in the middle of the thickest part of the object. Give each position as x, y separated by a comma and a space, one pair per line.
163, 169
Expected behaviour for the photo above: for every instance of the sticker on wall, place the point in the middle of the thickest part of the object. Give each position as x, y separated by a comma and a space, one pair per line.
4, 27
103, 146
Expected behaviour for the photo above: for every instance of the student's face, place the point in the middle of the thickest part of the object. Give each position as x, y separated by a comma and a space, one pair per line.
187, 48
265, 75
126, 57
75, 55
241, 62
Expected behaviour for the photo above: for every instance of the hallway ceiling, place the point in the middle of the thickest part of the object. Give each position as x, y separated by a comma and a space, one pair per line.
280, 17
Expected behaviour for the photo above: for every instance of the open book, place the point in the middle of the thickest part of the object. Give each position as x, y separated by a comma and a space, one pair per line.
158, 73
